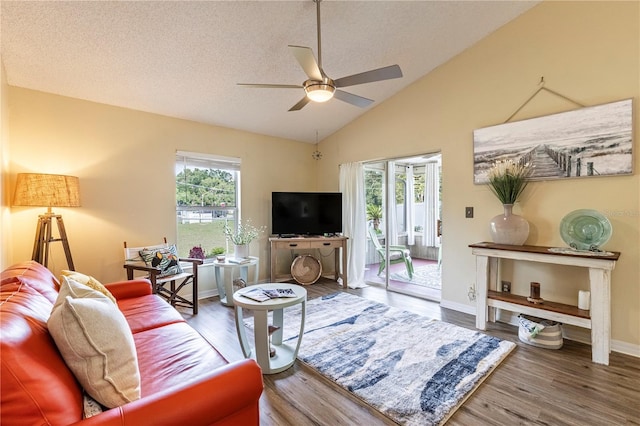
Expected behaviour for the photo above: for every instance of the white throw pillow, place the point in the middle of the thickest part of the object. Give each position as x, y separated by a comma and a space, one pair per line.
89, 281
96, 343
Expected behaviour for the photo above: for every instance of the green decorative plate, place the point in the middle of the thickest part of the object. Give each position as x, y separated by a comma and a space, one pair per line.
585, 229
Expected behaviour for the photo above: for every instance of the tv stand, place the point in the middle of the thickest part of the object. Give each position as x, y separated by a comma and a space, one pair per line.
338, 244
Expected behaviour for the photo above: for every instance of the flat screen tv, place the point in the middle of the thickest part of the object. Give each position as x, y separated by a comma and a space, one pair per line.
306, 213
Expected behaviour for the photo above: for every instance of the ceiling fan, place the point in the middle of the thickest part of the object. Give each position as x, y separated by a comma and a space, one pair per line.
319, 87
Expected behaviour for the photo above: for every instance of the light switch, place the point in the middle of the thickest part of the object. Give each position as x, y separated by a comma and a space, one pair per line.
468, 212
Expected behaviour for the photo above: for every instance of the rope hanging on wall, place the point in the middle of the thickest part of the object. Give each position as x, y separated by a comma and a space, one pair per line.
540, 88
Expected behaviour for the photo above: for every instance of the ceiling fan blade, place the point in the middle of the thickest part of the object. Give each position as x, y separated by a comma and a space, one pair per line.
352, 99
300, 104
271, 86
307, 61
386, 73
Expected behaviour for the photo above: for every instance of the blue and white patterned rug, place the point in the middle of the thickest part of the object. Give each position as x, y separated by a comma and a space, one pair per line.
415, 370
426, 276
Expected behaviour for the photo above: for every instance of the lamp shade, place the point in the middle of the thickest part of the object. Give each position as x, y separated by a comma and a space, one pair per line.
36, 189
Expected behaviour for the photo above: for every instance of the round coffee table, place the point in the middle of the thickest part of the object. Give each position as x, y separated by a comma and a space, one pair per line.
285, 354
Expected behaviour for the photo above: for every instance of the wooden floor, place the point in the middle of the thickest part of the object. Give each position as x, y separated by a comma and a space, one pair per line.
531, 387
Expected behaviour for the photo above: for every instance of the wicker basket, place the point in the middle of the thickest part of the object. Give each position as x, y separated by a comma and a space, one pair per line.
540, 332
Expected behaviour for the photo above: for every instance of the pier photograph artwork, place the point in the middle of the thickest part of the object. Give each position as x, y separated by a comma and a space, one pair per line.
586, 142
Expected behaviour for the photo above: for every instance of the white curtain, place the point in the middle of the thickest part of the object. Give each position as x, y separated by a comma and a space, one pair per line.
391, 223
354, 219
431, 204
409, 204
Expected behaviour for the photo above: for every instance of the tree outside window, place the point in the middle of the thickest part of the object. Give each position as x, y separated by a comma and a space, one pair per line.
207, 194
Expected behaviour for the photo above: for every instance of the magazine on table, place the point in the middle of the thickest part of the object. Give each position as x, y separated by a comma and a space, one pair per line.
261, 294
239, 260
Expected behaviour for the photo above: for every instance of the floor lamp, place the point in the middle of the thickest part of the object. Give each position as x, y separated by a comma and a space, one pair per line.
43, 190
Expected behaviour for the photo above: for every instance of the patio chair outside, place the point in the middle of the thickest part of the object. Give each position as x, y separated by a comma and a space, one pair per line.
397, 254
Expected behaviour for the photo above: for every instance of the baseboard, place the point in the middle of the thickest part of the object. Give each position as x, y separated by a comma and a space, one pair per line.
460, 307
201, 295
625, 348
207, 293
576, 334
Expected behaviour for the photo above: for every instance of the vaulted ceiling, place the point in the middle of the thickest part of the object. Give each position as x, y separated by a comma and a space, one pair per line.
184, 58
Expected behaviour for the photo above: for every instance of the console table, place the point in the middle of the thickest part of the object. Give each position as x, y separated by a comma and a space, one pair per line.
598, 319
338, 244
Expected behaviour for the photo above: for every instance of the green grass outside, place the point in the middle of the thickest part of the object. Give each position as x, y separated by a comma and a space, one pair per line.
206, 234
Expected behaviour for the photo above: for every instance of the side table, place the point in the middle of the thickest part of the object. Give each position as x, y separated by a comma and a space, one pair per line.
285, 354
225, 273
598, 319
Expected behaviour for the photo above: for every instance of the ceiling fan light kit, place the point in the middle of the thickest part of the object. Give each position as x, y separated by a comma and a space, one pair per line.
319, 91
319, 87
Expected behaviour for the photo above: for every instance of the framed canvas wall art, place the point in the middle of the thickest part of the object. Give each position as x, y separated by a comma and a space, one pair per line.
586, 142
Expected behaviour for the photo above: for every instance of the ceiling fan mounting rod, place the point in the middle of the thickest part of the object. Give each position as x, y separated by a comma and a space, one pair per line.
319, 87
317, 2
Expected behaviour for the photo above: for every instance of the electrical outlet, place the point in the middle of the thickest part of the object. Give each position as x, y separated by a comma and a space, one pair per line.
468, 212
471, 294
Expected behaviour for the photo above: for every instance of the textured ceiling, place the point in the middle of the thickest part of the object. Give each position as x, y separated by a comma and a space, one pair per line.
183, 59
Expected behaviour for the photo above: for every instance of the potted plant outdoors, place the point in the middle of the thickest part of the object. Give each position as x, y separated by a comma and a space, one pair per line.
507, 180
218, 253
374, 214
242, 237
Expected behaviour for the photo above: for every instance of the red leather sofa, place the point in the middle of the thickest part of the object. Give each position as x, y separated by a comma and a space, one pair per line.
184, 380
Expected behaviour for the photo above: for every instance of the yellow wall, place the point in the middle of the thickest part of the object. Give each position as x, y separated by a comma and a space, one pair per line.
125, 161
5, 212
588, 51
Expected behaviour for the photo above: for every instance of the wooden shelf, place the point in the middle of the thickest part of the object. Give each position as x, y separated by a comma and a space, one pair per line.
546, 255
560, 308
599, 265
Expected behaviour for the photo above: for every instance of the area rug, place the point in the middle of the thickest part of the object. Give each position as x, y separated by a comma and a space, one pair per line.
426, 276
415, 370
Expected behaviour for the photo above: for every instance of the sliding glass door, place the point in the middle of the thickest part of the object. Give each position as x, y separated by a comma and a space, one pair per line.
403, 211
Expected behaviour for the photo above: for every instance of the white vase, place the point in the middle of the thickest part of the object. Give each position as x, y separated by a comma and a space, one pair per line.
241, 250
509, 228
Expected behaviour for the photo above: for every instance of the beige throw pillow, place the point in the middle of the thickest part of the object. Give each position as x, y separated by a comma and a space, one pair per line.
88, 280
96, 343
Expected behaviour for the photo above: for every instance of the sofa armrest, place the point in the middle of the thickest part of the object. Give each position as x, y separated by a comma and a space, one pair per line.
129, 288
229, 395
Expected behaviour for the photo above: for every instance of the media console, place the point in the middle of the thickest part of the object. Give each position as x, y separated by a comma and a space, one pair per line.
338, 244
598, 319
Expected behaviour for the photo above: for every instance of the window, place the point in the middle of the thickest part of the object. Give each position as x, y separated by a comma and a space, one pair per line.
374, 195
207, 199
401, 196
418, 185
